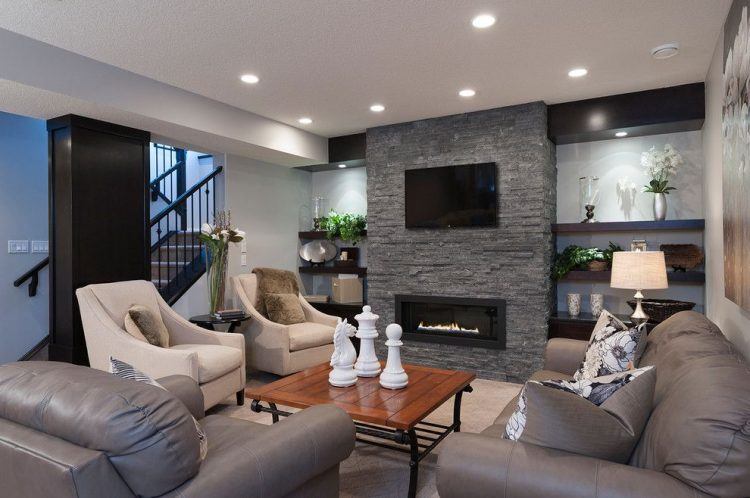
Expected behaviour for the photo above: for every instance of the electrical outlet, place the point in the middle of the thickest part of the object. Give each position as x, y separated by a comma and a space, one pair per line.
39, 246
18, 246
243, 259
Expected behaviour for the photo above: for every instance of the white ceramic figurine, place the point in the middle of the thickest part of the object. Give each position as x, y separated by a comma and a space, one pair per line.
343, 357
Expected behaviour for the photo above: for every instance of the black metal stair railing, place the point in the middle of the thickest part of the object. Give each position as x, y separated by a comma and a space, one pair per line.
177, 259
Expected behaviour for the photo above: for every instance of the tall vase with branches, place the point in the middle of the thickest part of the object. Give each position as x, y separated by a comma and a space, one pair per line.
216, 238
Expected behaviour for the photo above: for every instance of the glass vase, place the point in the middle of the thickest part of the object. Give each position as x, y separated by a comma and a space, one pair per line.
216, 272
588, 187
319, 212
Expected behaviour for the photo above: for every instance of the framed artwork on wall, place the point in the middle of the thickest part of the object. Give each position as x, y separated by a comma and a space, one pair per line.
736, 155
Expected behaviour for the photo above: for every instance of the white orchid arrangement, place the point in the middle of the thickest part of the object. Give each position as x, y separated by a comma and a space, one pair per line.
660, 166
216, 238
221, 232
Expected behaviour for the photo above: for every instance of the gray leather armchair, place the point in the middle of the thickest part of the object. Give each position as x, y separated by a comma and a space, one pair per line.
71, 431
696, 442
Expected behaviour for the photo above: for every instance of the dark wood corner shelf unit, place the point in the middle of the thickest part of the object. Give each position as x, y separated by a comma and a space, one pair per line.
333, 270
561, 324
685, 277
629, 226
318, 234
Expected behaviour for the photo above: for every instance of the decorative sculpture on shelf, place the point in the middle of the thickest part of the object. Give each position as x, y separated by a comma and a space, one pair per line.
393, 376
367, 364
343, 357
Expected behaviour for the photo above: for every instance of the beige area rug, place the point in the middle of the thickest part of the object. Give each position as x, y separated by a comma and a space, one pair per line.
377, 472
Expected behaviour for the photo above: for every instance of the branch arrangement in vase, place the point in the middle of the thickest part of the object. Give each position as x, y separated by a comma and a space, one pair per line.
216, 239
347, 227
660, 166
576, 257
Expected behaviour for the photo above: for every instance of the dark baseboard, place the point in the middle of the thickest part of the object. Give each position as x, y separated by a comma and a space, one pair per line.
33, 351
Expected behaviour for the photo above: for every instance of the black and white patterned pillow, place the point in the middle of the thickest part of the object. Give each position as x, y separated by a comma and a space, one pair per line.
596, 390
612, 348
128, 371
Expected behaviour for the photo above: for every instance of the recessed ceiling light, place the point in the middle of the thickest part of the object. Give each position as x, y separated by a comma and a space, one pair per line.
621, 134
467, 92
483, 21
304, 120
342, 165
578, 72
665, 51
249, 78
377, 108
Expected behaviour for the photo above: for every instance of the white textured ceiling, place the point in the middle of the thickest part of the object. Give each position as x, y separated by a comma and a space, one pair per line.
331, 59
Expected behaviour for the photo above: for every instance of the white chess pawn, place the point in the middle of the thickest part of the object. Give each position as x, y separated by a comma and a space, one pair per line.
367, 364
393, 376
342, 359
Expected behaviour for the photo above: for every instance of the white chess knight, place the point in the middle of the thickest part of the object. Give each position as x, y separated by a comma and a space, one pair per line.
343, 357
393, 376
367, 364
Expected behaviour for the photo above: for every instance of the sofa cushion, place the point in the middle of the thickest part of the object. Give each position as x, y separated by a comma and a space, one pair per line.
213, 361
147, 434
273, 281
309, 335
612, 348
284, 309
142, 322
699, 429
601, 417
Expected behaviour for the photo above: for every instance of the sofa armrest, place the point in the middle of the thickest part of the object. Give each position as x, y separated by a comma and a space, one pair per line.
472, 465
317, 316
564, 355
186, 390
281, 459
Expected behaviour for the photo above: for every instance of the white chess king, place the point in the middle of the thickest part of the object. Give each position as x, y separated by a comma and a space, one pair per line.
367, 364
393, 376
342, 359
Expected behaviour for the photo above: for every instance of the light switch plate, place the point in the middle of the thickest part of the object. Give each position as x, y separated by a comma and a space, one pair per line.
39, 246
243, 246
243, 259
18, 246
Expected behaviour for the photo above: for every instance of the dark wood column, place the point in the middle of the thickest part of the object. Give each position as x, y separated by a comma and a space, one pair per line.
98, 174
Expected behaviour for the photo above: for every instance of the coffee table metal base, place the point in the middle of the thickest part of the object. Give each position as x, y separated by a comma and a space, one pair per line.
418, 441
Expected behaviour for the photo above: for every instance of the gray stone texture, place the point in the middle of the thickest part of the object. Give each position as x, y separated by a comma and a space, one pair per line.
510, 261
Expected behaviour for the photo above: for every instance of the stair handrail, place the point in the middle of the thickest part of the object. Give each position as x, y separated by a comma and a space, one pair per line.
168, 172
32, 274
168, 209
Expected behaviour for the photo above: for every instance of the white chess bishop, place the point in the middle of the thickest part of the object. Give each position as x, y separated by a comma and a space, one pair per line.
367, 364
343, 357
394, 376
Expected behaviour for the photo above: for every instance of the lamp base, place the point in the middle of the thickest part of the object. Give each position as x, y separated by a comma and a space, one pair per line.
639, 316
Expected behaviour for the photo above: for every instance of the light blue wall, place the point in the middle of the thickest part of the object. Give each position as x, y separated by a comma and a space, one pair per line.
23, 216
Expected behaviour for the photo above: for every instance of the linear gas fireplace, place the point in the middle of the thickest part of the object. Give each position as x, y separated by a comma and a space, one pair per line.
465, 321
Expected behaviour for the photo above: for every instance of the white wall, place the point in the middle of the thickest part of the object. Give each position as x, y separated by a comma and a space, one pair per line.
619, 159
345, 189
733, 321
23, 216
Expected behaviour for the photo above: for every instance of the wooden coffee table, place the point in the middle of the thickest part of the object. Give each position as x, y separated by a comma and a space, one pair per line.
392, 419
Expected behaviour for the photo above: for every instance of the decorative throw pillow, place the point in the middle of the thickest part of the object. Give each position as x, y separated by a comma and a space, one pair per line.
128, 371
613, 348
284, 309
141, 322
601, 417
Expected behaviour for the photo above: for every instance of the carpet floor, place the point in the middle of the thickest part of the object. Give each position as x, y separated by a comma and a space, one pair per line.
377, 472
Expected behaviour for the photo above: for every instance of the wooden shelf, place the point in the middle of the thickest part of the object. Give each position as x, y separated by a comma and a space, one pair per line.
628, 226
333, 270
688, 277
320, 234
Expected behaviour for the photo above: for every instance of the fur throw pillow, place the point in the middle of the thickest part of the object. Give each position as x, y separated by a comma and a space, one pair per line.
144, 324
284, 309
273, 281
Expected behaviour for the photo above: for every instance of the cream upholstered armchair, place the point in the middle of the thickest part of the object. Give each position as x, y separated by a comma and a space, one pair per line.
215, 360
283, 349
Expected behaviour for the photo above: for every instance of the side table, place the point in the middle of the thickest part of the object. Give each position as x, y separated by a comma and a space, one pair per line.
209, 321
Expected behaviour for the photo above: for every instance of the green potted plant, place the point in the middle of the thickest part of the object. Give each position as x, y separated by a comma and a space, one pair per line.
576, 257
347, 227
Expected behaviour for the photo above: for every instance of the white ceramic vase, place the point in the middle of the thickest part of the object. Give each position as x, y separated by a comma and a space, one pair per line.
660, 207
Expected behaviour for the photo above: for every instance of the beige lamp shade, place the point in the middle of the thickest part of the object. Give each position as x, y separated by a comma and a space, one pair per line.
638, 270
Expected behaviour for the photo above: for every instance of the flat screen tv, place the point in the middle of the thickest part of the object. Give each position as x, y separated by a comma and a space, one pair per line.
451, 196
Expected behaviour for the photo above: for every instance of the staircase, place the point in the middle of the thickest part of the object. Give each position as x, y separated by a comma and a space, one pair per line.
177, 257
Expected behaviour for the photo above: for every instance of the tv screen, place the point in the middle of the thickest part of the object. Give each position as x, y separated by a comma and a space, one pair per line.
451, 196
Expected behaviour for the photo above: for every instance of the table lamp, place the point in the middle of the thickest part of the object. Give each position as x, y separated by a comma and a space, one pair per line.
638, 270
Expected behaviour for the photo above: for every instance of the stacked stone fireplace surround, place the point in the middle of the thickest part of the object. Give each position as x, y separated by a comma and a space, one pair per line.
510, 261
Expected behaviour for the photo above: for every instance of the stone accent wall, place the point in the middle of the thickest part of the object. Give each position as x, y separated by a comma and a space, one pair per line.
510, 261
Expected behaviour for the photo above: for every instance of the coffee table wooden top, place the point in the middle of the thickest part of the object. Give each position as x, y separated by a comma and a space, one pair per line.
367, 401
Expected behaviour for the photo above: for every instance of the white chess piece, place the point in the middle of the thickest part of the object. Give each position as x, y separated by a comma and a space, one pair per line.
342, 359
367, 364
393, 376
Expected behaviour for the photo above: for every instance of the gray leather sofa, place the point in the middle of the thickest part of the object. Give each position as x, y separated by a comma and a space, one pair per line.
67, 430
696, 442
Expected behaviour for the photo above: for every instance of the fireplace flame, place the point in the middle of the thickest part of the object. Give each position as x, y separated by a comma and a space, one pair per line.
445, 327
